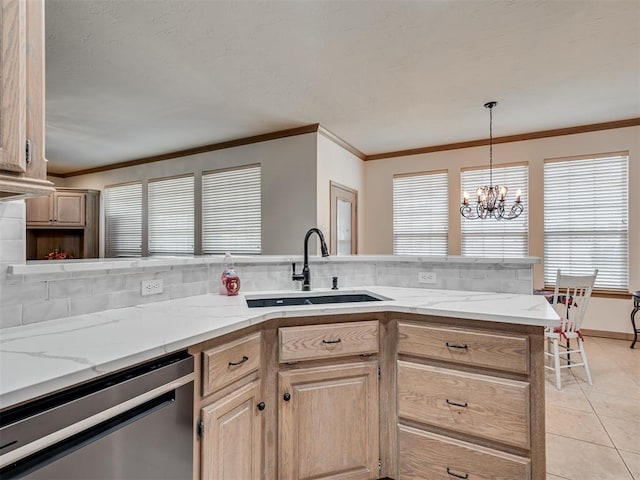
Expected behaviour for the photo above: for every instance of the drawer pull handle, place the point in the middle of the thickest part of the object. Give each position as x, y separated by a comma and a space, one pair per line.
332, 341
239, 362
455, 345
456, 404
453, 474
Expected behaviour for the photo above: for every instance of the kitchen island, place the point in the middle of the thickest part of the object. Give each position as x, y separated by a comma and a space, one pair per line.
39, 359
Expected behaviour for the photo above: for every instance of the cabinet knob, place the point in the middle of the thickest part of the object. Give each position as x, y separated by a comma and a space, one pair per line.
261, 406
287, 397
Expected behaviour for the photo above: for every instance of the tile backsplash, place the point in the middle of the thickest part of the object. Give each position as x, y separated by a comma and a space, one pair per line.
38, 296
12, 251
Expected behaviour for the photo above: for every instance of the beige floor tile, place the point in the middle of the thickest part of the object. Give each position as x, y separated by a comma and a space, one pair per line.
624, 433
614, 404
571, 396
632, 460
578, 460
611, 383
555, 477
576, 424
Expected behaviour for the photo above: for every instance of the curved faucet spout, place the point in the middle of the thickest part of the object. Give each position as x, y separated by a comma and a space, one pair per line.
306, 273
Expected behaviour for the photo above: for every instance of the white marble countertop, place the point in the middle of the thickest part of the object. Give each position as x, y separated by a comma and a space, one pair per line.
41, 358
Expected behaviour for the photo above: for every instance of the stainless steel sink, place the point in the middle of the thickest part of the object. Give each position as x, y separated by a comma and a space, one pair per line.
311, 298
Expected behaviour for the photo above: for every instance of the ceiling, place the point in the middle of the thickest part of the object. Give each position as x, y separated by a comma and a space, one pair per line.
135, 78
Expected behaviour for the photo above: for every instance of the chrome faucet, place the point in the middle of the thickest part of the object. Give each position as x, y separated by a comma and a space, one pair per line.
305, 276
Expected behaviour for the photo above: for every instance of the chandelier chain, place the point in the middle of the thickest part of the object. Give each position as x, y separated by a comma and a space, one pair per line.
491, 145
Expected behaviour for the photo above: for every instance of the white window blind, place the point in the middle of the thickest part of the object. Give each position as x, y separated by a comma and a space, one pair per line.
171, 216
491, 237
421, 214
123, 217
231, 211
586, 219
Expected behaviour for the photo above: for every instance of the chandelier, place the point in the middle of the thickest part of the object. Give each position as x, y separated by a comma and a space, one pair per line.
491, 198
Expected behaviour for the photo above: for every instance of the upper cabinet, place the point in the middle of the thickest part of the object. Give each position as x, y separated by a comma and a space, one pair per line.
62, 209
23, 170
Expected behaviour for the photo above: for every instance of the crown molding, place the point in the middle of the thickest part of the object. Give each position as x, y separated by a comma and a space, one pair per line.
594, 127
290, 132
339, 141
316, 127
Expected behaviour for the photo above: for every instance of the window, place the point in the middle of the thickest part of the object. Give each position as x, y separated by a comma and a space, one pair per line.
123, 217
421, 214
231, 211
171, 216
585, 219
497, 238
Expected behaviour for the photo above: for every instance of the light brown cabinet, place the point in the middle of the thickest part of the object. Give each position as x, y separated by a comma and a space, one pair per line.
328, 422
232, 411
470, 403
67, 220
23, 171
364, 397
232, 436
63, 208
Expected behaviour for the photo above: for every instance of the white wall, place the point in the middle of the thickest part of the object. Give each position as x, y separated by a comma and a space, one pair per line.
604, 313
335, 164
288, 184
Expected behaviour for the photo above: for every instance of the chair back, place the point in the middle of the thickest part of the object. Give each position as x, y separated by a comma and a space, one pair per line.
571, 297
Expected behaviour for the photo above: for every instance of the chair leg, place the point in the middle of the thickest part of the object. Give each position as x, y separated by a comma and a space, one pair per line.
550, 350
556, 362
583, 355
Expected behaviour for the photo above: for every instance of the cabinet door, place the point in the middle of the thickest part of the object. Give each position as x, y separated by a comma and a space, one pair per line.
22, 100
69, 209
40, 211
13, 78
328, 422
232, 439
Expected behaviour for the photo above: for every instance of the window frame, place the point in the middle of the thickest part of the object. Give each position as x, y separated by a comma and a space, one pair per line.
107, 250
445, 198
597, 290
510, 198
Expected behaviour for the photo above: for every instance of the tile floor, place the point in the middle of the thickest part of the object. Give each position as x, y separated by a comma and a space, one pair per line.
593, 431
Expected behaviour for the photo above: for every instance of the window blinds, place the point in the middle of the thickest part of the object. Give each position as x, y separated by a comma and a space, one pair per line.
490, 237
231, 211
585, 219
171, 216
421, 214
123, 217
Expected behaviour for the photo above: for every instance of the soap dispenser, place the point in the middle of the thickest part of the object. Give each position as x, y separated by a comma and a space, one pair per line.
230, 280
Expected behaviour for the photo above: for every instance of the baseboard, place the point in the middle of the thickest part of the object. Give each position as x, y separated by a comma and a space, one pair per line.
607, 334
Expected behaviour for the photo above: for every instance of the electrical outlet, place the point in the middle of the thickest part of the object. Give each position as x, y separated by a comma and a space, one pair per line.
427, 277
150, 287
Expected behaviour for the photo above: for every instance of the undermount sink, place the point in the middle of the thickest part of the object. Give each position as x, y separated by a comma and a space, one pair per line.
311, 298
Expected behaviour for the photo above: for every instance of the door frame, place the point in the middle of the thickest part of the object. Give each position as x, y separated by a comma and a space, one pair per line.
336, 192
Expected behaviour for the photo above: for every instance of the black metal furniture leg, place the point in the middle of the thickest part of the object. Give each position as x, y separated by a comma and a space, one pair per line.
636, 308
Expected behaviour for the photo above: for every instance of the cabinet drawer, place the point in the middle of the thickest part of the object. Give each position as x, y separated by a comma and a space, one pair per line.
327, 340
227, 363
427, 455
493, 408
471, 347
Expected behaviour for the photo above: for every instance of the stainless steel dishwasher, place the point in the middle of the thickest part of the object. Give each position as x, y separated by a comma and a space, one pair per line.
130, 425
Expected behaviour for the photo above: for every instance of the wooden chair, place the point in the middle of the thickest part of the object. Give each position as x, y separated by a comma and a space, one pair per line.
570, 300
